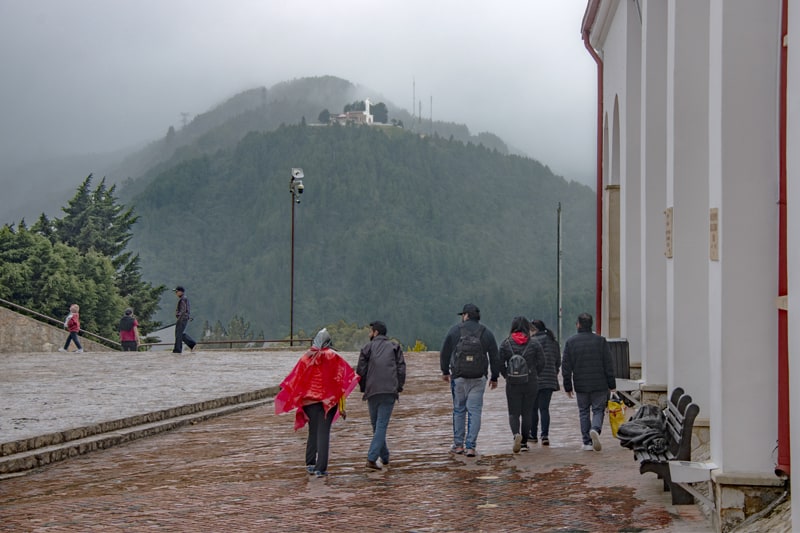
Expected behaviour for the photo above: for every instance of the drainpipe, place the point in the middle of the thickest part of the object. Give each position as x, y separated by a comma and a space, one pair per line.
586, 28
784, 458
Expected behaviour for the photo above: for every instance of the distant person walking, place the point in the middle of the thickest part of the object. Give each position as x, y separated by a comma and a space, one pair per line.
522, 361
129, 331
182, 317
317, 386
548, 380
468, 352
587, 370
382, 369
73, 325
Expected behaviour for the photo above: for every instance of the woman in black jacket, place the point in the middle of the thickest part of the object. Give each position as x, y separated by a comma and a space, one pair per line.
521, 380
548, 380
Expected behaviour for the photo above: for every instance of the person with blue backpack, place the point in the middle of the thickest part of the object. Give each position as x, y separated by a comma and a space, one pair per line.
522, 361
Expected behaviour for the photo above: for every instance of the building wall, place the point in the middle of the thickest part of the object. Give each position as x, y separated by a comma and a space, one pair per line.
793, 246
705, 123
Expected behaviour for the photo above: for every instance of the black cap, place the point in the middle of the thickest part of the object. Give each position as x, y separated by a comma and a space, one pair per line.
378, 326
470, 308
178, 288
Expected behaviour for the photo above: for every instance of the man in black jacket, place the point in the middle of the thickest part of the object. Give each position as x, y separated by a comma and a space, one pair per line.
587, 369
382, 368
467, 388
182, 318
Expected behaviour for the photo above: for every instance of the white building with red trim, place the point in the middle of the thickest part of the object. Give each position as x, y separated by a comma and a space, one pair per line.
698, 168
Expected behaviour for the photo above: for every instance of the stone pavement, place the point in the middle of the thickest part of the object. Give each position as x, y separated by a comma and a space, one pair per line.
244, 471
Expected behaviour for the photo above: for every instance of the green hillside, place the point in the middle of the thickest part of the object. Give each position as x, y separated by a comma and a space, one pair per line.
392, 226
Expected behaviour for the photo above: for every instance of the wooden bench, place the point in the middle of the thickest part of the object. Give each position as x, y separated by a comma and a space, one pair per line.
680, 415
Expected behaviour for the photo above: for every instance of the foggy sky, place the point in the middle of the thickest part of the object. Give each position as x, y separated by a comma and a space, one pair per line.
90, 76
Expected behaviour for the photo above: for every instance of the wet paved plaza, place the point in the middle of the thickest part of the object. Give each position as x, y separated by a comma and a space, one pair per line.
245, 472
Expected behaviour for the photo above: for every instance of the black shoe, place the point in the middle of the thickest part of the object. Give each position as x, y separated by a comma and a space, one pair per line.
533, 438
523, 447
545, 441
372, 465
173, 351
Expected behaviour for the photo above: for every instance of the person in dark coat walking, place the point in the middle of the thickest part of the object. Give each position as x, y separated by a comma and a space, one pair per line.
182, 318
521, 390
548, 380
382, 371
467, 391
587, 369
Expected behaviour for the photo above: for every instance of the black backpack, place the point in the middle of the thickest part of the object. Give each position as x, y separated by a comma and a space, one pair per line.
126, 323
517, 366
469, 357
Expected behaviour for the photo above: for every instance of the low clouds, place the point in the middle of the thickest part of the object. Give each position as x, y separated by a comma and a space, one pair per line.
91, 75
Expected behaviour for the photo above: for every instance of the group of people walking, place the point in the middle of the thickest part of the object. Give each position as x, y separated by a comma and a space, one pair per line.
129, 327
529, 359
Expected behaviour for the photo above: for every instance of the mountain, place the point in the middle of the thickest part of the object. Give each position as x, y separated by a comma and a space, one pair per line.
393, 226
45, 184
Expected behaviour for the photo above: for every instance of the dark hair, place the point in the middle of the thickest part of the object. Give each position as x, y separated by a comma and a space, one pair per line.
539, 325
378, 326
585, 321
520, 324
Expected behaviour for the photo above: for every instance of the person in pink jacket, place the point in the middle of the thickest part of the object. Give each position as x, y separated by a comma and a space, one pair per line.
73, 324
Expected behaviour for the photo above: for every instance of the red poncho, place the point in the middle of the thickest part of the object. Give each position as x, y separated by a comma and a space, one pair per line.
321, 375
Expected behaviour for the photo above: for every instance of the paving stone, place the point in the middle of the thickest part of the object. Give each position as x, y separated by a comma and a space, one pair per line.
245, 472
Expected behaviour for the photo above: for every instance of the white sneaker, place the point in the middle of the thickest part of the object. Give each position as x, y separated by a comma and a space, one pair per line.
596, 446
587, 448
79, 351
62, 350
517, 443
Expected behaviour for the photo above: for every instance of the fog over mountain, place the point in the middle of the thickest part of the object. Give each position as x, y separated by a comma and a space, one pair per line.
91, 77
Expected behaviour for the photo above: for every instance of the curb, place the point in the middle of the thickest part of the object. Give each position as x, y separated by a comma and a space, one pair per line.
21, 457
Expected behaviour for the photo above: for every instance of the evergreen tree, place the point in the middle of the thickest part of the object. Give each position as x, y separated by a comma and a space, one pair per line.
94, 222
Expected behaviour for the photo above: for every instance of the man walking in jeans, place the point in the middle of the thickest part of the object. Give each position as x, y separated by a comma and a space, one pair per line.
182, 317
587, 369
382, 370
468, 375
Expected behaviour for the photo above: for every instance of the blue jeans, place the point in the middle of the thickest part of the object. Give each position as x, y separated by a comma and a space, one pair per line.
541, 409
597, 401
73, 336
467, 407
181, 336
380, 411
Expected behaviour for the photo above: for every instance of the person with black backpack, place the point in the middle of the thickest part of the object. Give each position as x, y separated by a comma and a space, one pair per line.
468, 352
129, 331
523, 360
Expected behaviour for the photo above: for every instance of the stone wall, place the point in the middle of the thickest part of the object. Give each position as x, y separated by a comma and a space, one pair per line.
22, 334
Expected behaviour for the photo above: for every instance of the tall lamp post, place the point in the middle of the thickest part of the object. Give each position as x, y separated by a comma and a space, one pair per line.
296, 188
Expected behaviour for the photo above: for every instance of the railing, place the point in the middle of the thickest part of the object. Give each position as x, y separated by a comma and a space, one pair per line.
283, 343
59, 323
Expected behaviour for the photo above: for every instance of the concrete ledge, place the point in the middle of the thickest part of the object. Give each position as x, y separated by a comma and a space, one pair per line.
752, 479
21, 463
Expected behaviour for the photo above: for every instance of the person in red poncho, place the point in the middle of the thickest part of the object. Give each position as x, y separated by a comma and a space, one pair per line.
317, 386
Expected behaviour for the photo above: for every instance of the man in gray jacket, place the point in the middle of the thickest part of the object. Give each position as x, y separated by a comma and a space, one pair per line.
382, 369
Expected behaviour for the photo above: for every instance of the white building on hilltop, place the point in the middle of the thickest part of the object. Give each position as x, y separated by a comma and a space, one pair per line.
697, 104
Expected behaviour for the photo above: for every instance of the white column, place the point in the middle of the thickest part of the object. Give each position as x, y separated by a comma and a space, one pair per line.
631, 186
653, 192
743, 169
687, 194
